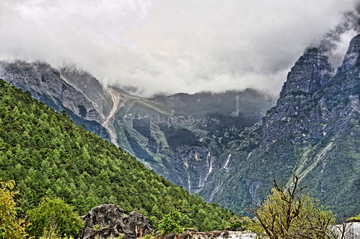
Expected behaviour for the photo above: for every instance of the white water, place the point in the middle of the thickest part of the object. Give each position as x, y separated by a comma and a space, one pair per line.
224, 235
237, 106
216, 189
210, 161
248, 156
226, 165
189, 183
350, 231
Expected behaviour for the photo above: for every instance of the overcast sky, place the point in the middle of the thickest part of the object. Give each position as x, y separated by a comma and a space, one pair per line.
171, 45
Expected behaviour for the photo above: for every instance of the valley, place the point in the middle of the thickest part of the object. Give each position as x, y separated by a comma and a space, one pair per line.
214, 144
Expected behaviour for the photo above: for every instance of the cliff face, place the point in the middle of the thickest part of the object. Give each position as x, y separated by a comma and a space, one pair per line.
48, 85
289, 117
211, 143
182, 137
315, 127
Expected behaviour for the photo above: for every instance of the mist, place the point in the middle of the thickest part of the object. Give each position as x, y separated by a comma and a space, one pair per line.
178, 45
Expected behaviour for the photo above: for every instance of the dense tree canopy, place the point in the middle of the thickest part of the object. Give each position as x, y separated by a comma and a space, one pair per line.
49, 156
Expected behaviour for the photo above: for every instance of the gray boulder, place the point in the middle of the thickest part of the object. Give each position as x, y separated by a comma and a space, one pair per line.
110, 221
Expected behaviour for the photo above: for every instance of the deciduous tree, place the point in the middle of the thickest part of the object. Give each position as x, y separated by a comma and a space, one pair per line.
287, 213
10, 226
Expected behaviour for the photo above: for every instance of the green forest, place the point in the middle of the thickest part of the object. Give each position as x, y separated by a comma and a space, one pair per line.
49, 156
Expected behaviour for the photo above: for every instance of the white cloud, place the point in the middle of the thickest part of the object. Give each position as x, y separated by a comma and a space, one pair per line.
170, 46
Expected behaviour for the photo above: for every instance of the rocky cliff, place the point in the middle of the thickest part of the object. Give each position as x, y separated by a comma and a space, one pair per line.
315, 127
48, 85
212, 144
182, 137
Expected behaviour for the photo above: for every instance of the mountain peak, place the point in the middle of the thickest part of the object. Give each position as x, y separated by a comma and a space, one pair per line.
352, 55
310, 72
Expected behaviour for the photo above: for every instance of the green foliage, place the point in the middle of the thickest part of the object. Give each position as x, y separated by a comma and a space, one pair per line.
288, 214
54, 217
356, 218
171, 223
49, 156
10, 227
235, 223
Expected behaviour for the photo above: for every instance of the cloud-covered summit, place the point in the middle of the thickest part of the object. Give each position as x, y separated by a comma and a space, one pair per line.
173, 46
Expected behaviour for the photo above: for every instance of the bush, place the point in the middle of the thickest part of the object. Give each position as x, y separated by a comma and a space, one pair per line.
287, 214
55, 216
171, 223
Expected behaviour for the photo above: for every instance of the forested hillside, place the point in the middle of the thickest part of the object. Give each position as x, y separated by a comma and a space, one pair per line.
48, 155
183, 137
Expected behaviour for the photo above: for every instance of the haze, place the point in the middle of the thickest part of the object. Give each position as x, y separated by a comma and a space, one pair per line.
173, 46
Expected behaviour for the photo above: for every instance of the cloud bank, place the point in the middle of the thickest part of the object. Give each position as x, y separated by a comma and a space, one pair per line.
174, 46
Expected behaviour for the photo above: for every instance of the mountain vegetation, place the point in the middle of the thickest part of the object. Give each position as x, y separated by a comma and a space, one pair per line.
288, 213
48, 156
314, 125
216, 145
183, 137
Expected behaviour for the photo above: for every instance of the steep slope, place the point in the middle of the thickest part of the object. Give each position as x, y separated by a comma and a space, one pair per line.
48, 155
48, 85
315, 126
182, 137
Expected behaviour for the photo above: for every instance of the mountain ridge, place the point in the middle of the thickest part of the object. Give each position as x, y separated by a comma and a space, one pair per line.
47, 155
171, 134
212, 144
314, 126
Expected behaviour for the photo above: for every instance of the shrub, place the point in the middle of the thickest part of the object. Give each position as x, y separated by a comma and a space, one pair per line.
171, 223
54, 215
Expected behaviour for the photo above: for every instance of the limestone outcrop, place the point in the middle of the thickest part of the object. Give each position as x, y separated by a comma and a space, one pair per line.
110, 221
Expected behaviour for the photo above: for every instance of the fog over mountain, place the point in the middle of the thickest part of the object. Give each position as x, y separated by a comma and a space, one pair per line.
179, 45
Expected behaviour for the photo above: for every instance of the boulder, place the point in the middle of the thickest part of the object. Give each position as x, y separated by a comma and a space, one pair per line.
110, 221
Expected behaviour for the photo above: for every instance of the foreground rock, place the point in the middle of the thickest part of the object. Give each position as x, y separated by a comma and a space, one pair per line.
210, 235
110, 221
348, 230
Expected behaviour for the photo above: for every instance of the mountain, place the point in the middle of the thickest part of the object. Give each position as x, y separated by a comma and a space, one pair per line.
182, 137
49, 156
212, 144
315, 127
51, 87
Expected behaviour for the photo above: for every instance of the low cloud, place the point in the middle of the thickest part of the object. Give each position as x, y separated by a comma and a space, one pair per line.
173, 46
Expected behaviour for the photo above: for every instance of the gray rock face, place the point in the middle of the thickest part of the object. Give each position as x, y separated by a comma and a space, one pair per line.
48, 85
315, 126
110, 221
309, 74
182, 137
352, 55
90, 87
41, 80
